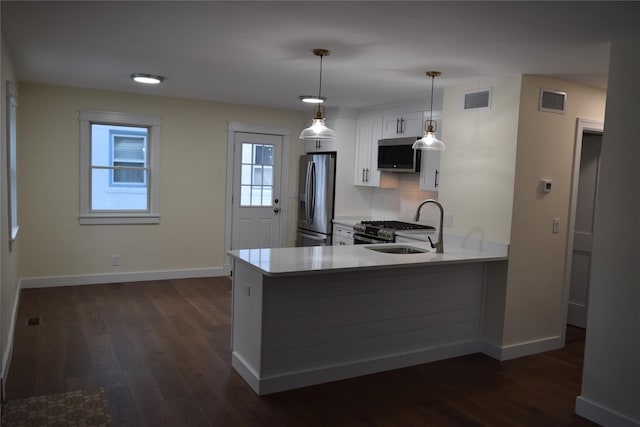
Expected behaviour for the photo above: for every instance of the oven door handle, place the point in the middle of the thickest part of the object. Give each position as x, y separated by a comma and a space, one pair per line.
357, 238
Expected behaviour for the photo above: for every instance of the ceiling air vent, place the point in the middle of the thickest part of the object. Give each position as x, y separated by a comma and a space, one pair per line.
553, 101
477, 99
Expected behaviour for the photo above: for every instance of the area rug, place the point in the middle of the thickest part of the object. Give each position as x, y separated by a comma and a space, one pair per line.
74, 408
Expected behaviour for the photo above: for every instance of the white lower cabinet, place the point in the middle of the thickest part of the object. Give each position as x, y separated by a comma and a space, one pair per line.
342, 235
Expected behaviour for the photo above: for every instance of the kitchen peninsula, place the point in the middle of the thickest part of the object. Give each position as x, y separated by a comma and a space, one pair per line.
308, 315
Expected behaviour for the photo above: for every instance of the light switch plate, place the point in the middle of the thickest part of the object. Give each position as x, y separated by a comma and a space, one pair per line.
556, 225
545, 185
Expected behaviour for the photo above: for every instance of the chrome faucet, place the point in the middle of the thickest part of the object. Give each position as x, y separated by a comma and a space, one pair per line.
439, 245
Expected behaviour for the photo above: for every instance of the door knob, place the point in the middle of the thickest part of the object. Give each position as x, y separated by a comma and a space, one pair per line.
276, 210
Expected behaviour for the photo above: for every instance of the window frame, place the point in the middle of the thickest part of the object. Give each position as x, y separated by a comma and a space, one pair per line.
112, 159
153, 123
12, 173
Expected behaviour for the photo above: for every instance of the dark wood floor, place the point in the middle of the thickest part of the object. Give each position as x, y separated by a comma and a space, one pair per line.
161, 351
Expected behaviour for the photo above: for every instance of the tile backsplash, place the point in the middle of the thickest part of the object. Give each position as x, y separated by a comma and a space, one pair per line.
401, 203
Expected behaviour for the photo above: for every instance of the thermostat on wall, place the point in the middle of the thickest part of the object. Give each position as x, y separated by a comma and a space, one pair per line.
545, 185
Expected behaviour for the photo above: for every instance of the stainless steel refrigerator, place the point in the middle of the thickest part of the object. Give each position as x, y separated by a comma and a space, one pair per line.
316, 187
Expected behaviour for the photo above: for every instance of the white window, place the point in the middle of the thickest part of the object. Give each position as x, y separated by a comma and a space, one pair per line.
129, 158
119, 163
12, 106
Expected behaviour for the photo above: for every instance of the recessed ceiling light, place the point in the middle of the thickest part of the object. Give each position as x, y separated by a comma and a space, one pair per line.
312, 99
149, 79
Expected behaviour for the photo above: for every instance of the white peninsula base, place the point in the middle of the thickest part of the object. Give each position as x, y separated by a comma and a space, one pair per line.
308, 327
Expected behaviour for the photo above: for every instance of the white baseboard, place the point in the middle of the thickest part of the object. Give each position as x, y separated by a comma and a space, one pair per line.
8, 351
227, 269
602, 415
136, 276
526, 348
577, 315
492, 350
323, 374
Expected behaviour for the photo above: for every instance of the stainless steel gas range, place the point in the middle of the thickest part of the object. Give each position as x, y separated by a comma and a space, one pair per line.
382, 231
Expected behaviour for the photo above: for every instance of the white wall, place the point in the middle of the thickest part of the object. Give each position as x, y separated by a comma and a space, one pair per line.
478, 166
9, 255
190, 235
611, 376
546, 145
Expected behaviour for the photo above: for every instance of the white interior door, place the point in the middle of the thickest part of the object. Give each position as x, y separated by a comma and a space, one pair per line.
257, 163
583, 234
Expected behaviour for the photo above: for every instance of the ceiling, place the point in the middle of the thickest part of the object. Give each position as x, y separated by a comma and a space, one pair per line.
259, 53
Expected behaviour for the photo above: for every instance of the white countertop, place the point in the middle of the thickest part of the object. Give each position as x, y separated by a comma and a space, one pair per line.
348, 221
316, 259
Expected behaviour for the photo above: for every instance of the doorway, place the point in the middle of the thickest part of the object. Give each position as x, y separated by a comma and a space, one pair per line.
256, 211
583, 200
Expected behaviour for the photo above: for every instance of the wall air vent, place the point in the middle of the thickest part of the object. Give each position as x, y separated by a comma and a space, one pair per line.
553, 101
477, 99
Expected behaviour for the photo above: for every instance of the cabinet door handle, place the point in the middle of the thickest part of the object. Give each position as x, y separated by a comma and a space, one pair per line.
362, 174
367, 174
397, 125
401, 125
436, 183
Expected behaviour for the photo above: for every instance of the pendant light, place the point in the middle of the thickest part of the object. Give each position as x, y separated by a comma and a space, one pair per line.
318, 130
429, 140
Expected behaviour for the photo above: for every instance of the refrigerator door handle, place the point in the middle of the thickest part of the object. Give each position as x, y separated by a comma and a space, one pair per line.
312, 201
307, 185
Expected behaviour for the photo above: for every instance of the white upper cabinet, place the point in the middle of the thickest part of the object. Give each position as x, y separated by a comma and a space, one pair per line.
369, 131
430, 171
430, 166
402, 125
366, 168
322, 145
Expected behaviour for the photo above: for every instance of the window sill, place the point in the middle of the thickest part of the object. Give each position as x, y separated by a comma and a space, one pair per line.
119, 219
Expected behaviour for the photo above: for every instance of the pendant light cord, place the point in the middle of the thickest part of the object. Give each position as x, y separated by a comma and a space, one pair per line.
431, 109
320, 86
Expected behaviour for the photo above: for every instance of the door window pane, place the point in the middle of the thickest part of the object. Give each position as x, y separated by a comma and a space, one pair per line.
256, 181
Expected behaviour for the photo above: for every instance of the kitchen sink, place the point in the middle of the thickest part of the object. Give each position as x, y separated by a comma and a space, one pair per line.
396, 249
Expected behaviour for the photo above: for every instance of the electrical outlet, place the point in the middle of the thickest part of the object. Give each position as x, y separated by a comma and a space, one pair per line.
115, 260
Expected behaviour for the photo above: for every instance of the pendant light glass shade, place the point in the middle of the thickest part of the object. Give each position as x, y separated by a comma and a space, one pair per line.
429, 140
318, 129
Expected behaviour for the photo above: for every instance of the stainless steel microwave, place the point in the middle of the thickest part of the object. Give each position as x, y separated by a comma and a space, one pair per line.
397, 155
